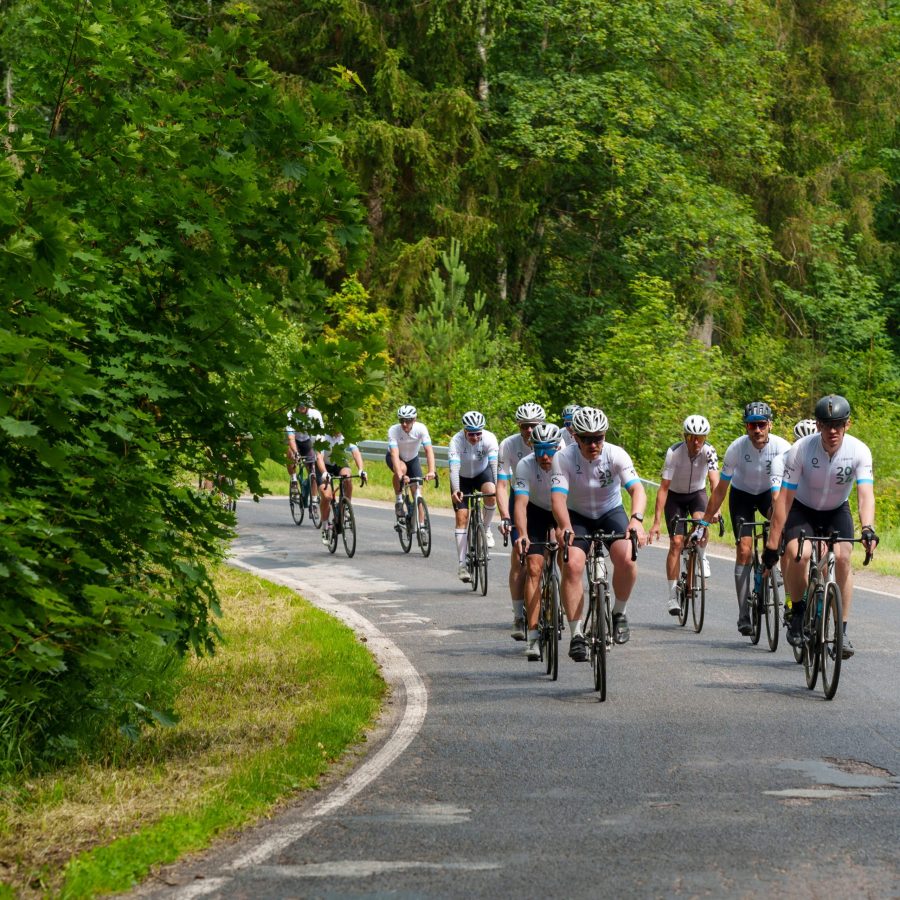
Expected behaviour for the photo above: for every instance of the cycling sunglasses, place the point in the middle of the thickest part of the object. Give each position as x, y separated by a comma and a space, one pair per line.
545, 449
591, 438
407, 421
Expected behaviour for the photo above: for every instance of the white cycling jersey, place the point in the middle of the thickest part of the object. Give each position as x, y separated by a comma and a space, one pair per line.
337, 451
512, 449
688, 474
470, 460
298, 423
532, 482
567, 437
592, 487
749, 469
408, 444
821, 482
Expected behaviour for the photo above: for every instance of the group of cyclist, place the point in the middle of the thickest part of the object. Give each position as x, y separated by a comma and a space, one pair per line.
565, 483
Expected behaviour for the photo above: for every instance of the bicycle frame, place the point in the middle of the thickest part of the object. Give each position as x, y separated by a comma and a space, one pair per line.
691, 585
476, 537
764, 601
549, 610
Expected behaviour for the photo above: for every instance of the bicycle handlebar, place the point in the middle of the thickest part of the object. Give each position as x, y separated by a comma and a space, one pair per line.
598, 537
421, 480
550, 545
832, 539
700, 523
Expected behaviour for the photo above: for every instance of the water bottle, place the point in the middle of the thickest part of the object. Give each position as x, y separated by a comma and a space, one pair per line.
757, 583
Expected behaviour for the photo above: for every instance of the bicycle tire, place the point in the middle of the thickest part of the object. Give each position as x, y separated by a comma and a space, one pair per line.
555, 625
698, 594
348, 526
404, 526
470, 554
333, 537
831, 641
754, 602
811, 641
771, 607
681, 595
423, 524
597, 631
543, 627
481, 558
315, 510
296, 502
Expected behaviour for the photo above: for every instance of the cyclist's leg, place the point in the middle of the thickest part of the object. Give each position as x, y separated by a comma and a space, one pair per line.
796, 573
671, 511
412, 468
348, 484
696, 504
516, 578
461, 514
625, 571
326, 492
742, 505
539, 521
489, 489
291, 457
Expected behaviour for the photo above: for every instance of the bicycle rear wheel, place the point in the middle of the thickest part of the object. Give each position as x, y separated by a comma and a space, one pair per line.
296, 502
481, 558
597, 632
423, 523
404, 526
348, 526
811, 656
832, 639
771, 606
698, 594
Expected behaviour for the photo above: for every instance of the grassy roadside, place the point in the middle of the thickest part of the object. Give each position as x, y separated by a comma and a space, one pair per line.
260, 721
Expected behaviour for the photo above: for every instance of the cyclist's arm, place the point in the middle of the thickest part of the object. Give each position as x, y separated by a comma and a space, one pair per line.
357, 458
520, 513
429, 458
395, 457
502, 483
662, 492
865, 495
638, 506
716, 498
779, 516
714, 478
560, 510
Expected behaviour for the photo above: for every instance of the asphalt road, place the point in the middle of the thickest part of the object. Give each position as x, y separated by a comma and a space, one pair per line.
711, 770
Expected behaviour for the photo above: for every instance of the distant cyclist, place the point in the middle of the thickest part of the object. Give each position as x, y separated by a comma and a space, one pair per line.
819, 472
587, 479
682, 494
568, 436
533, 514
472, 458
402, 457
332, 463
512, 449
750, 468
299, 442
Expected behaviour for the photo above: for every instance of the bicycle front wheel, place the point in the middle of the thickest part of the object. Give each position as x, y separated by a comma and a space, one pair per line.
404, 527
811, 639
481, 558
315, 510
348, 526
333, 534
553, 663
832, 639
684, 603
771, 606
698, 594
424, 525
597, 632
296, 502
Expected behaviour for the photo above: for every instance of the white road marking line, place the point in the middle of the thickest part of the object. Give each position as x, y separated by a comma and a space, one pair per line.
363, 868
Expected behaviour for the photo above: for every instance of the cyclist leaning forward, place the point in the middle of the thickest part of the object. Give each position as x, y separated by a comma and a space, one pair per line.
750, 468
402, 457
819, 471
682, 494
331, 463
586, 482
300, 443
512, 450
533, 512
472, 458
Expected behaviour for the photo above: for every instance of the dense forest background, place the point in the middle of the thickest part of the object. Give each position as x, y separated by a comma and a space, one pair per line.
655, 206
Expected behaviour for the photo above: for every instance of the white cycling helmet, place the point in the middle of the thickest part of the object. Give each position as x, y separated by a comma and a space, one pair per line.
804, 428
697, 425
545, 433
588, 420
569, 410
530, 412
407, 411
473, 421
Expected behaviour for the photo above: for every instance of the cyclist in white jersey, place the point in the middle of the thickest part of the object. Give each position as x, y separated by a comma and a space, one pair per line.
512, 449
300, 443
472, 458
533, 513
750, 469
682, 493
586, 482
332, 462
568, 436
402, 457
819, 472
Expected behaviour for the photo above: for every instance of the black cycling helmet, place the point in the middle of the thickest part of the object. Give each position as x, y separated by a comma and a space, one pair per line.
833, 408
757, 411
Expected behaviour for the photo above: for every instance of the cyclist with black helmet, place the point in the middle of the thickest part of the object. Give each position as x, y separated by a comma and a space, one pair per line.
402, 457
533, 516
472, 458
750, 469
586, 482
512, 449
819, 472
682, 494
299, 441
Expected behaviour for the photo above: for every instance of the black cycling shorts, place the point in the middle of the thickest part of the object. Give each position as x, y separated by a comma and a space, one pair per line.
306, 452
680, 505
413, 466
742, 505
818, 521
616, 520
331, 469
539, 522
470, 485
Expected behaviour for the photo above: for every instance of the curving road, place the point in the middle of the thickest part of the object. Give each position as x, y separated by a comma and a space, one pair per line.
710, 771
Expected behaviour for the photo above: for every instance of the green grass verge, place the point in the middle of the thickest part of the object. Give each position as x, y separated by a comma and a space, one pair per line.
284, 698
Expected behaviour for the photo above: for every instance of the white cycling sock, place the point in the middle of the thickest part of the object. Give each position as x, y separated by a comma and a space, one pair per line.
672, 584
461, 545
575, 628
399, 497
533, 635
294, 477
488, 515
619, 607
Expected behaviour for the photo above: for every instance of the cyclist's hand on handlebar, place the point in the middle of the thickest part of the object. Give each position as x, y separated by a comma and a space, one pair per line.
457, 497
505, 526
638, 529
696, 535
770, 558
522, 546
430, 476
869, 537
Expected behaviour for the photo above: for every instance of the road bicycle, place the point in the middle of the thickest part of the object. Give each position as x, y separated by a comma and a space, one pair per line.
598, 624
823, 625
550, 610
690, 589
301, 499
764, 601
415, 518
476, 537
341, 520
